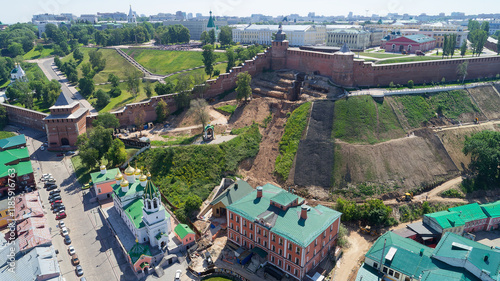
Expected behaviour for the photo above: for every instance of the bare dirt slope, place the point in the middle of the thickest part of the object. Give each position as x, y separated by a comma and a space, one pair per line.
260, 170
488, 101
453, 141
407, 162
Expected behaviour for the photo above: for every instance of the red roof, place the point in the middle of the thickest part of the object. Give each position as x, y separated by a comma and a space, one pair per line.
28, 205
33, 233
31, 223
106, 187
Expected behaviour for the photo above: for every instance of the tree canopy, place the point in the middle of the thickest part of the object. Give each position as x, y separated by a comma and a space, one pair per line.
106, 120
484, 149
209, 58
243, 88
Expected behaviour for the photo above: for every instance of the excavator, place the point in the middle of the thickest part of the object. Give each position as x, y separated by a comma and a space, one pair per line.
208, 133
407, 197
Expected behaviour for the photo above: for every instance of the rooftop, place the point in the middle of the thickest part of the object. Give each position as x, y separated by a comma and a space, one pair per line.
182, 230
64, 100
469, 212
12, 155
74, 115
12, 141
491, 209
420, 38
447, 219
233, 193
286, 28
137, 251
97, 177
38, 264
285, 223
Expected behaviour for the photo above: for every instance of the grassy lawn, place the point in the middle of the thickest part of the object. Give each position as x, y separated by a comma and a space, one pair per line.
83, 174
221, 67
289, 143
176, 140
379, 55
166, 62
124, 98
411, 59
362, 120
32, 54
419, 109
4, 135
228, 108
115, 64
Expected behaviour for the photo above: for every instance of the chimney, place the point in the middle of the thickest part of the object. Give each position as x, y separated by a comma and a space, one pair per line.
303, 211
259, 192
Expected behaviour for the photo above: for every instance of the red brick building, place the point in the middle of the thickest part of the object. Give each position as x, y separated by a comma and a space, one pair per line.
295, 236
410, 44
67, 120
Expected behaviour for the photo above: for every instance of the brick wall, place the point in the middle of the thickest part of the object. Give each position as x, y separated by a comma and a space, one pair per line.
25, 117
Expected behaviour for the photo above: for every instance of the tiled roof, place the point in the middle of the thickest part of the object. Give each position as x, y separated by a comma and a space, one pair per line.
12, 141
12, 155
31, 223
182, 230
28, 205
34, 238
97, 177
285, 223
492, 209
233, 193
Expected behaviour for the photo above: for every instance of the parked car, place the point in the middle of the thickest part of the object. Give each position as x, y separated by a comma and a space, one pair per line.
51, 187
54, 206
42, 148
55, 191
71, 250
56, 202
64, 231
67, 240
83, 279
60, 208
60, 216
50, 180
62, 224
86, 186
60, 155
178, 275
54, 198
71, 153
74, 259
79, 270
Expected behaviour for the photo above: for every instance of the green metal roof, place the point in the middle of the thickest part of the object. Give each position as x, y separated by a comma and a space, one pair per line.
285, 223
233, 193
447, 219
368, 273
491, 209
134, 212
138, 250
11, 155
211, 21
182, 230
469, 212
150, 189
285, 198
97, 177
132, 189
12, 141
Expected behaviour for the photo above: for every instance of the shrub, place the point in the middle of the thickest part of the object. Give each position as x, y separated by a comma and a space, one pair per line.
410, 84
452, 193
391, 85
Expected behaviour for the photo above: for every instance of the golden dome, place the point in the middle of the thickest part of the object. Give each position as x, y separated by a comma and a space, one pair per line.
118, 176
103, 167
129, 171
143, 177
148, 175
124, 183
137, 172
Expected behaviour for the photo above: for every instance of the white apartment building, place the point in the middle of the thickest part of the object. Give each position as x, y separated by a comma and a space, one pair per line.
297, 35
354, 38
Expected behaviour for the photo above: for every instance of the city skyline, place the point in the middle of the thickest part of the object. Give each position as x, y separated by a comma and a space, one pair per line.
22, 11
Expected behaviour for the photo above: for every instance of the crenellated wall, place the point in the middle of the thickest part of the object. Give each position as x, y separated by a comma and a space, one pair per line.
25, 117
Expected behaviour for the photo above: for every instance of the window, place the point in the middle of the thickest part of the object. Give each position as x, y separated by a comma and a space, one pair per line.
289, 257
232, 226
244, 243
251, 227
297, 250
265, 234
272, 258
280, 252
289, 246
297, 261
258, 230
295, 272
244, 222
273, 248
250, 235
391, 272
316, 242
231, 216
279, 263
237, 219
288, 267
385, 270
375, 265
237, 229
273, 238
281, 241
258, 240
396, 274
265, 243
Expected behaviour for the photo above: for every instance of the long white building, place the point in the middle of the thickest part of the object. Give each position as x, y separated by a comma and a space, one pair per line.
297, 35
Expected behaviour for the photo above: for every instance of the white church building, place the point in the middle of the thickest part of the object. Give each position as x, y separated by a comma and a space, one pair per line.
138, 202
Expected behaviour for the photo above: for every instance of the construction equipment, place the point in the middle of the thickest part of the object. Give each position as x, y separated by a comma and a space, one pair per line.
208, 133
476, 121
407, 197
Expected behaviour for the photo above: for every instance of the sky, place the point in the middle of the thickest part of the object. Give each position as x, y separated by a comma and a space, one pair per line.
22, 11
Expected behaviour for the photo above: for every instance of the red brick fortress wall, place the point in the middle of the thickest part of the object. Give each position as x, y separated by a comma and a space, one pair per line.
25, 117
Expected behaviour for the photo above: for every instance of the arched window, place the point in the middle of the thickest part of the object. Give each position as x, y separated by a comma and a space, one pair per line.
155, 203
64, 141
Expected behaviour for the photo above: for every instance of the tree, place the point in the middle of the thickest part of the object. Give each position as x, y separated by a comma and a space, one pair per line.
161, 111
208, 59
102, 98
132, 81
485, 25
226, 35
148, 89
78, 55
39, 48
445, 46
44, 36
205, 38
243, 88
211, 36
4, 120
94, 145
231, 59
116, 154
97, 61
484, 149
87, 71
139, 120
463, 48
199, 108
462, 70
88, 154
164, 89
86, 86
106, 120
113, 79
15, 49
473, 25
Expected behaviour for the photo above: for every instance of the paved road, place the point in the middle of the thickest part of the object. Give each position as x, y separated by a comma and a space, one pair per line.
50, 70
100, 255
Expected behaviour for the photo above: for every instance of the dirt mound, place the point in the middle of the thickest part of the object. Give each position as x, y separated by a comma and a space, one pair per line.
453, 141
256, 110
406, 162
314, 161
488, 101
